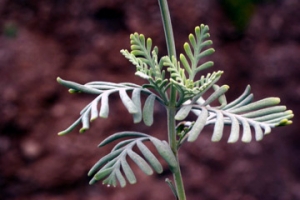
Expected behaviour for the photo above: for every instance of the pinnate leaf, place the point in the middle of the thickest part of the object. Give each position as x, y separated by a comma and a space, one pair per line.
114, 168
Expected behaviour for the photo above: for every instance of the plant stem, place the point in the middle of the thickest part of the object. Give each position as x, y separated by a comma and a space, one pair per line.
173, 144
171, 108
166, 20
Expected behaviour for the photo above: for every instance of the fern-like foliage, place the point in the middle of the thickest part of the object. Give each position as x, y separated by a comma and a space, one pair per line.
111, 166
147, 65
142, 52
103, 90
243, 114
195, 51
261, 115
187, 87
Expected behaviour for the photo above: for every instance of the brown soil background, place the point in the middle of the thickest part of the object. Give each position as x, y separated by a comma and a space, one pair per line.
80, 41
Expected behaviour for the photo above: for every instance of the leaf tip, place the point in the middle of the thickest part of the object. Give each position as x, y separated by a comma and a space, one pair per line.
246, 140
191, 138
226, 87
284, 122
290, 112
93, 119
276, 100
58, 79
186, 45
82, 130
92, 181
72, 91
61, 133
103, 115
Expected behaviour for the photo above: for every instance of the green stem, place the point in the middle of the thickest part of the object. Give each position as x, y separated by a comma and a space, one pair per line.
166, 19
173, 144
171, 108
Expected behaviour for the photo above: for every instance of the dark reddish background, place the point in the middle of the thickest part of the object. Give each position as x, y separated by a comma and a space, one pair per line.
80, 41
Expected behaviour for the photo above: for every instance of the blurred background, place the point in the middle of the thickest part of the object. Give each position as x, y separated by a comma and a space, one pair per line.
257, 42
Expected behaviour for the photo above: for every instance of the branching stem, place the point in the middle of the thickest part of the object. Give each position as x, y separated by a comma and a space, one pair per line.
171, 108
